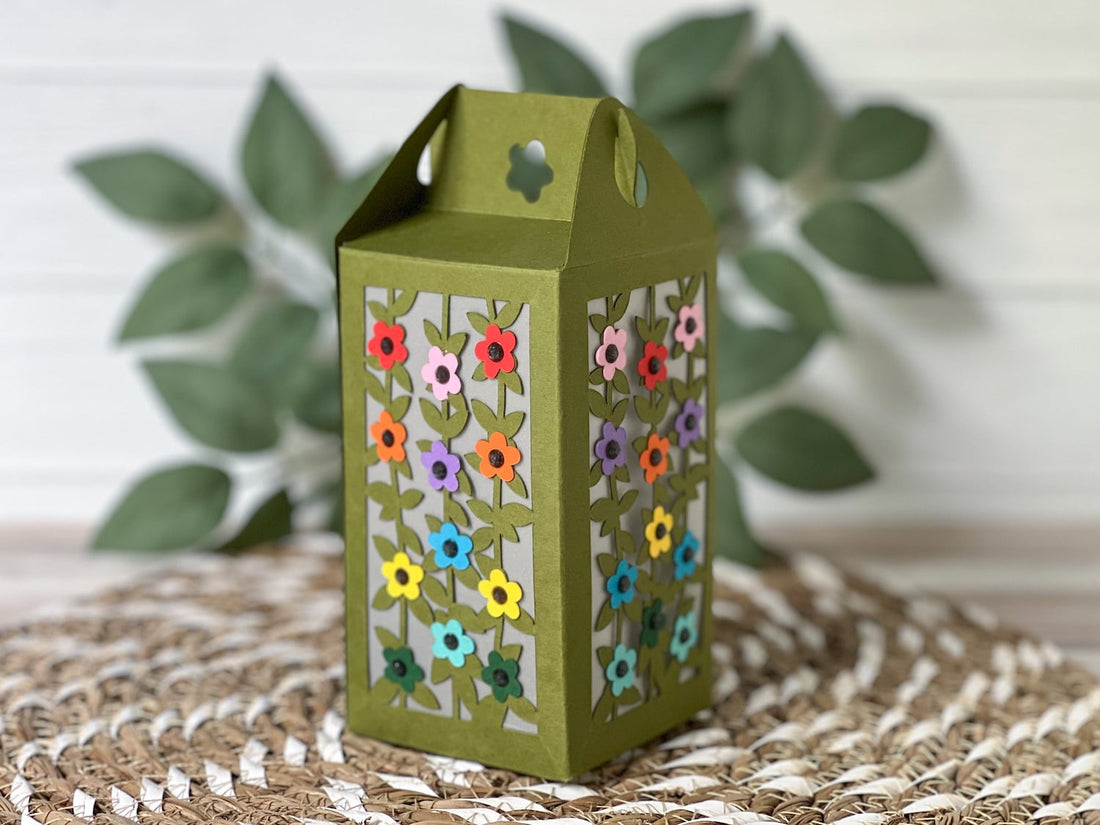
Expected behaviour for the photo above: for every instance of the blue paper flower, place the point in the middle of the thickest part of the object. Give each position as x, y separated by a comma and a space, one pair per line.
684, 636
451, 642
620, 670
452, 549
686, 555
621, 584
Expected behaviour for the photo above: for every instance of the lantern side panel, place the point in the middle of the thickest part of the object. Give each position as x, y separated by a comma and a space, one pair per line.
447, 465
649, 438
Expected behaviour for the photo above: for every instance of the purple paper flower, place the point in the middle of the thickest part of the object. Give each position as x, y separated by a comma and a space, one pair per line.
689, 423
442, 467
441, 373
611, 448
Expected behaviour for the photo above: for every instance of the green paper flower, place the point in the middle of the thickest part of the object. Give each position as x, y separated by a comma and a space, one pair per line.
653, 622
502, 675
401, 668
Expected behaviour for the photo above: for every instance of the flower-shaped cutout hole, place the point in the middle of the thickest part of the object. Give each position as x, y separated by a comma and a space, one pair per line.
529, 171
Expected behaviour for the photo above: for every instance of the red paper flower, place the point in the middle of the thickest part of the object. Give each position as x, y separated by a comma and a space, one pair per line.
651, 366
496, 351
387, 344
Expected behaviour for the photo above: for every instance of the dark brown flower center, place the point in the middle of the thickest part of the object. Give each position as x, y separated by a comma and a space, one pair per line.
439, 470
691, 422
685, 635
621, 669
611, 354
450, 548
624, 584
499, 595
399, 668
690, 325
451, 641
654, 365
656, 620
386, 345
655, 457
661, 531
496, 352
612, 449
401, 576
687, 553
442, 375
387, 438
496, 458
501, 677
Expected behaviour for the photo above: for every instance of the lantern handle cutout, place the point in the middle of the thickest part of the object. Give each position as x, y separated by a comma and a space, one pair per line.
630, 176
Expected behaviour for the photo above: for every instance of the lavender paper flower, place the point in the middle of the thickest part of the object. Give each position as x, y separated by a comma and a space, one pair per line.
442, 467
689, 423
611, 448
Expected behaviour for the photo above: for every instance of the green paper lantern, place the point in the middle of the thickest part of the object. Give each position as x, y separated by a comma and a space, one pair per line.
528, 450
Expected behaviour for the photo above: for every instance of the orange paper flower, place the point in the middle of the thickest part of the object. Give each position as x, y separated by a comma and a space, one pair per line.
390, 437
499, 458
654, 458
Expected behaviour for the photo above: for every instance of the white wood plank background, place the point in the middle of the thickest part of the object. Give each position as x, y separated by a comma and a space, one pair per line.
976, 402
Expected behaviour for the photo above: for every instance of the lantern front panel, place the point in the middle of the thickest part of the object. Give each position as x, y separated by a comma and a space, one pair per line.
449, 522
650, 453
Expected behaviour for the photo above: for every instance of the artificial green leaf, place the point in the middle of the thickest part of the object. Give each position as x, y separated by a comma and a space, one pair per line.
878, 142
318, 402
269, 522
777, 116
168, 509
857, 236
688, 63
799, 448
286, 166
214, 405
735, 539
274, 339
790, 286
342, 202
151, 185
752, 359
548, 65
696, 137
191, 292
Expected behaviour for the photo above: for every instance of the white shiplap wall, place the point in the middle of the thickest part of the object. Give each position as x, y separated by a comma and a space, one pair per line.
977, 402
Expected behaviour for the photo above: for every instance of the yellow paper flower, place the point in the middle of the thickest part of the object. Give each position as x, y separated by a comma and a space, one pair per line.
501, 596
659, 532
403, 577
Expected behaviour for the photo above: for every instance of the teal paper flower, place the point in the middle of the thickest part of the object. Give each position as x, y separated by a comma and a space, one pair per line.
653, 622
402, 668
452, 549
620, 670
684, 636
502, 675
621, 584
451, 642
685, 556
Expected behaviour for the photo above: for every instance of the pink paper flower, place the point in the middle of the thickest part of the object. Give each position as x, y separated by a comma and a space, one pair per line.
441, 373
691, 326
611, 355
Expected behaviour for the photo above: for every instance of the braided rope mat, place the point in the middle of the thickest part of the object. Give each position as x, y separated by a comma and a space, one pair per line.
214, 694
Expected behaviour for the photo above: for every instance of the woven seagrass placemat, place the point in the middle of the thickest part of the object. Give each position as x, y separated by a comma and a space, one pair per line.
214, 693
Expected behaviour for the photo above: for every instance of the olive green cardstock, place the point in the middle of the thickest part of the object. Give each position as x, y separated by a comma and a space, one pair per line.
528, 449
